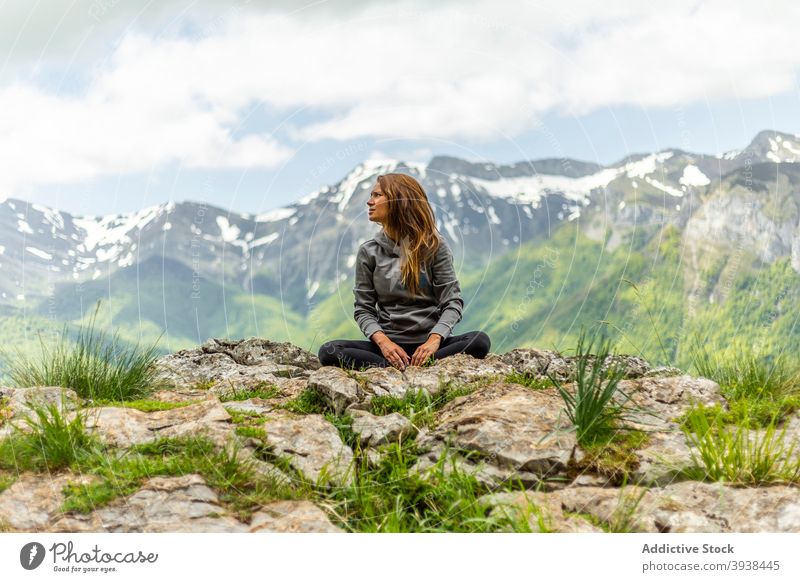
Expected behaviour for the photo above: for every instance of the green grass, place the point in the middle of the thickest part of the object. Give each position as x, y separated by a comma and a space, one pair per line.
529, 380
742, 373
144, 405
95, 366
5, 410
54, 442
249, 431
263, 390
233, 478
614, 455
736, 454
246, 417
6, 481
761, 390
394, 498
344, 424
418, 406
309, 401
593, 409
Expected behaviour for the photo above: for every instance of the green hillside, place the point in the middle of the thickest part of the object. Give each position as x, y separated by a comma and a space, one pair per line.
539, 295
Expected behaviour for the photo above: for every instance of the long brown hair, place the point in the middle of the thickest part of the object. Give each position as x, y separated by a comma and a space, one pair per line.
411, 223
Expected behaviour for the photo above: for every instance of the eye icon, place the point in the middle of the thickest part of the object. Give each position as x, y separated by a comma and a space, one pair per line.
31, 555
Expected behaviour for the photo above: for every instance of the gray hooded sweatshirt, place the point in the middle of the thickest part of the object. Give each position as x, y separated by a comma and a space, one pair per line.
383, 303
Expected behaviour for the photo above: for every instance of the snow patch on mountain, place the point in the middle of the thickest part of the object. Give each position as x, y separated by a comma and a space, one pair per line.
229, 232
782, 150
24, 227
532, 188
692, 176
663, 187
264, 240
277, 214
115, 229
39, 253
647, 165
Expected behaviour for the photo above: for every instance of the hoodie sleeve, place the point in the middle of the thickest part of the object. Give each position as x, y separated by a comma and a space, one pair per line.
447, 291
366, 297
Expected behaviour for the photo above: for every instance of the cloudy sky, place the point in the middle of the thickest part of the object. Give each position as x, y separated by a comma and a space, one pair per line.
108, 106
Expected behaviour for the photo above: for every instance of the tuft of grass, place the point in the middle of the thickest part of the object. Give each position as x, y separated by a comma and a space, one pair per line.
246, 417
94, 366
593, 409
393, 497
614, 456
742, 373
529, 380
309, 401
736, 454
748, 413
6, 481
760, 390
251, 432
5, 410
418, 406
344, 424
263, 390
54, 442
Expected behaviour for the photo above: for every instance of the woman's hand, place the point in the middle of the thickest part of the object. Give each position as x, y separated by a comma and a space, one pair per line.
396, 355
426, 350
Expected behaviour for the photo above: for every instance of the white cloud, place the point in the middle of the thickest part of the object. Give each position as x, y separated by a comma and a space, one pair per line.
452, 71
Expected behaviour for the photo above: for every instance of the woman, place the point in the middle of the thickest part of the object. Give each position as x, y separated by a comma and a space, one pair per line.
407, 296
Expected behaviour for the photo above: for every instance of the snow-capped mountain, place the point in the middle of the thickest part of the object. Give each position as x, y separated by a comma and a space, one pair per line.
300, 253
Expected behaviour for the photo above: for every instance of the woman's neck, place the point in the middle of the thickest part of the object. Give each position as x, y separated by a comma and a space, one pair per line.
390, 234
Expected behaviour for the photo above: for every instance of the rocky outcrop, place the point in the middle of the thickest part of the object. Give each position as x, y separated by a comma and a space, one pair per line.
230, 364
510, 431
689, 506
472, 416
163, 504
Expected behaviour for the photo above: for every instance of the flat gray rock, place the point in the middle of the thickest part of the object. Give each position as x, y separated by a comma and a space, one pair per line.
292, 517
312, 445
33, 501
164, 504
517, 432
378, 430
124, 427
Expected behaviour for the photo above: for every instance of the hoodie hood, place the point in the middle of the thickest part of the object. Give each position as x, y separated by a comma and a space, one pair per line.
387, 244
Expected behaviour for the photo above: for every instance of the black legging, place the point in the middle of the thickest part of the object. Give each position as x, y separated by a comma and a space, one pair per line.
365, 353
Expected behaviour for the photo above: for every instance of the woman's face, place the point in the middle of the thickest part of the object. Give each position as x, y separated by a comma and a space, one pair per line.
378, 205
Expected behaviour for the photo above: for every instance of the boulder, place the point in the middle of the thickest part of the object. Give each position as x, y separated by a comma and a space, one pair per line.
163, 504
312, 445
689, 506
514, 431
33, 501
124, 427
378, 430
336, 387
292, 517
234, 364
